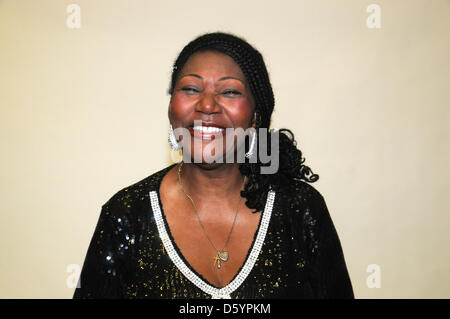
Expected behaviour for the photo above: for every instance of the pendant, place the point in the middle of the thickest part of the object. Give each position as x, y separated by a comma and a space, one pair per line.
221, 256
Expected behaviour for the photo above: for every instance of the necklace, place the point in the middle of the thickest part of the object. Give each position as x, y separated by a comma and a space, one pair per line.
222, 255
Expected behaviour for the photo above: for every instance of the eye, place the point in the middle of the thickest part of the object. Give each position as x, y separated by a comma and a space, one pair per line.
190, 90
231, 92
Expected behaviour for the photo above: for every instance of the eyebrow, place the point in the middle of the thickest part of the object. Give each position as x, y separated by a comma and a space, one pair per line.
221, 79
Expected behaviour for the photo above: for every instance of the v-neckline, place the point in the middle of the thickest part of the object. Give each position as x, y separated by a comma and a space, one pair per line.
184, 266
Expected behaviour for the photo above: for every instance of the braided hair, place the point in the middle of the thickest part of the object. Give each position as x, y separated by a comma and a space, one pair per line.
254, 69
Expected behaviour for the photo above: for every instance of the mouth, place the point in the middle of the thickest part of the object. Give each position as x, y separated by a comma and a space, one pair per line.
207, 132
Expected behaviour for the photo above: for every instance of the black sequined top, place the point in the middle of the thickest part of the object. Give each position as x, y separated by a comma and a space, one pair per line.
301, 256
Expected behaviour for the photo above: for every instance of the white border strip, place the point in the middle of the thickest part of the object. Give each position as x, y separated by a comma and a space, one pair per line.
189, 274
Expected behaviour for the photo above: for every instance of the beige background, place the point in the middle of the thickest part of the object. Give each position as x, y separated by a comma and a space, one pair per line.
83, 114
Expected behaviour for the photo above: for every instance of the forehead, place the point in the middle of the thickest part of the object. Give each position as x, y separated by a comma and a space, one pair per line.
212, 62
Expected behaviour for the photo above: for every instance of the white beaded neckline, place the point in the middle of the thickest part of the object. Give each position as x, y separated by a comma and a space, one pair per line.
216, 293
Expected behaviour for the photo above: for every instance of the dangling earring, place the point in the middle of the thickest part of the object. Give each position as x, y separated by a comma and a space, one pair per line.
172, 140
252, 146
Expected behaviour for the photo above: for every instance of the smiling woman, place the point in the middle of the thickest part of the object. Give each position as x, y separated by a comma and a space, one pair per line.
200, 229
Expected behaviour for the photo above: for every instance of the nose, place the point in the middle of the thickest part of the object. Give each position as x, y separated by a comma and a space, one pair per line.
208, 103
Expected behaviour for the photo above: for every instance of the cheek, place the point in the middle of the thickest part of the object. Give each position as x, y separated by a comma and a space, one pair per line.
181, 105
241, 112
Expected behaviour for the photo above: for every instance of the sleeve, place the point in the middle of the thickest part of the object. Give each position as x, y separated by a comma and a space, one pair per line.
99, 276
329, 275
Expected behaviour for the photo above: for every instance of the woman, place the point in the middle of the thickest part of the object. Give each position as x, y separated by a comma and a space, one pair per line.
218, 229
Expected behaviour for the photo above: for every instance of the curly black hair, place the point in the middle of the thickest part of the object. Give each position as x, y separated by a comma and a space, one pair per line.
252, 64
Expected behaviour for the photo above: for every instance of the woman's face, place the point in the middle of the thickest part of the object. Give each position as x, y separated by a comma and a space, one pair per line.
211, 88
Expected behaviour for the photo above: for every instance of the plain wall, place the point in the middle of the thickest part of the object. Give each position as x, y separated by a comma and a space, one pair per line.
84, 114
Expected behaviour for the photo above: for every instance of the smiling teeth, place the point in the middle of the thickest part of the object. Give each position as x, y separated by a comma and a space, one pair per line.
208, 129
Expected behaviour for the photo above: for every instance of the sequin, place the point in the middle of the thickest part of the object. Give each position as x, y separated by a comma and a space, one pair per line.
300, 256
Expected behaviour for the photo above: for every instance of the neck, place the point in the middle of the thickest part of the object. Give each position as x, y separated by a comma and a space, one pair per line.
217, 182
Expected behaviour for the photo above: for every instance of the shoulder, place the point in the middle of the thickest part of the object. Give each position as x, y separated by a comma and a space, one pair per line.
307, 211
305, 206
300, 195
136, 195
